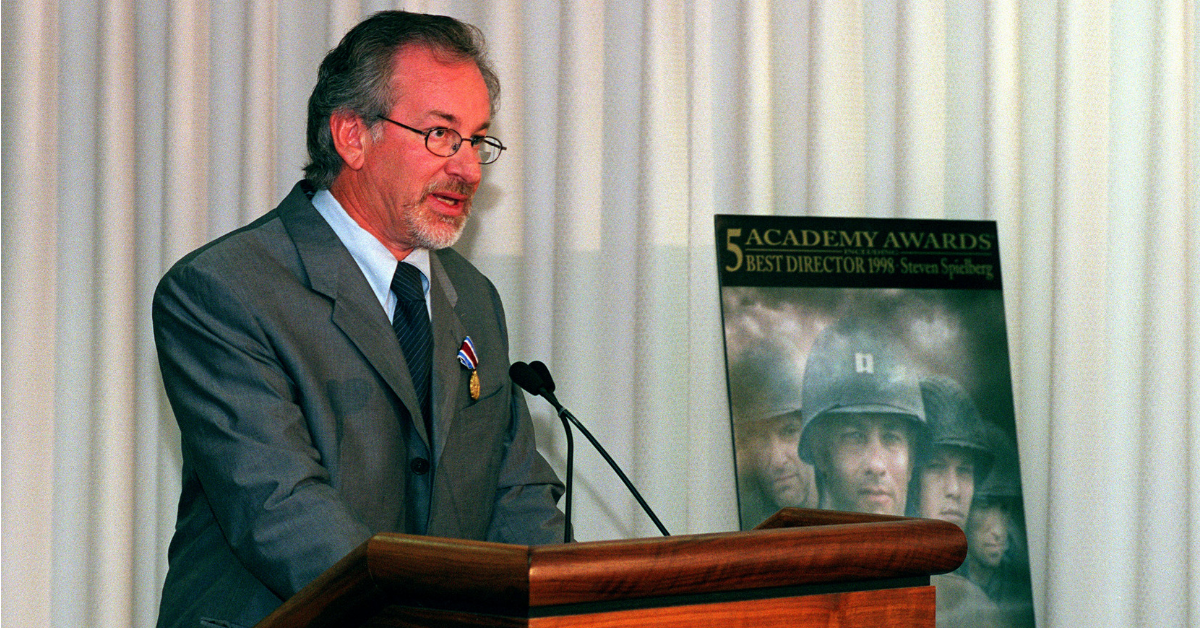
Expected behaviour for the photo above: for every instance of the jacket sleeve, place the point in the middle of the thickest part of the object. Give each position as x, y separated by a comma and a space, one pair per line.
528, 490
244, 434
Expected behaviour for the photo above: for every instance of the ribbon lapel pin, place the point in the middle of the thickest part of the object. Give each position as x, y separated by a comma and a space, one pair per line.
467, 357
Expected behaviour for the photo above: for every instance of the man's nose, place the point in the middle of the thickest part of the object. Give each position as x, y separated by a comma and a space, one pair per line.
779, 453
876, 457
953, 486
465, 164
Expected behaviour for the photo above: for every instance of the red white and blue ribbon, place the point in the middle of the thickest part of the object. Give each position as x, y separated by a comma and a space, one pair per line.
466, 354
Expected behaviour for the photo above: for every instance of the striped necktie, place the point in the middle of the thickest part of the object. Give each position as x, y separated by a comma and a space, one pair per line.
411, 323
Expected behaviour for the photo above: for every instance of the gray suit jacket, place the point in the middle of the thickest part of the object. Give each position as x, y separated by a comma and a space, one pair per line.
301, 431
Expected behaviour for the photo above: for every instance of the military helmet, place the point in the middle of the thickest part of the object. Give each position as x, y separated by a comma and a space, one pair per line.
853, 368
764, 379
953, 420
1003, 482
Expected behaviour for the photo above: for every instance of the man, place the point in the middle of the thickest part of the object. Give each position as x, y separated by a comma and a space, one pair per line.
991, 527
310, 357
997, 552
957, 458
958, 453
863, 419
770, 473
988, 539
990, 565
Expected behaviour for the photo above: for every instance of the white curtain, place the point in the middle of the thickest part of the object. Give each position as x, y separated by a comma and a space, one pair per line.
136, 131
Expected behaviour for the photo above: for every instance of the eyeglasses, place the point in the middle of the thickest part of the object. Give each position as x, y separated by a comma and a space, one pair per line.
445, 142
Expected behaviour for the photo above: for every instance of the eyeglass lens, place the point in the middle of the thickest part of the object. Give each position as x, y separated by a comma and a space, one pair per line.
445, 142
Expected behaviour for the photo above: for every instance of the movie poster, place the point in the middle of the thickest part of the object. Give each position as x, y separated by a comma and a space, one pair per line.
868, 371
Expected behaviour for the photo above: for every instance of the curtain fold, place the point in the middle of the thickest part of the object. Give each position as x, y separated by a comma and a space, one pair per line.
138, 130
30, 271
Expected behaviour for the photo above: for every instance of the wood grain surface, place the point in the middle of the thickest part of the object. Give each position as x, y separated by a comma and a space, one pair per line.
856, 562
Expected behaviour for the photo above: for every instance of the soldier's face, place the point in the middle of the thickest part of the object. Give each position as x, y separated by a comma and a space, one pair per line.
767, 454
987, 535
867, 463
947, 485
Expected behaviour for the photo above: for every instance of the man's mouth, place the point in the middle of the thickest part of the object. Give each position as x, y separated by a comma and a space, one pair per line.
453, 195
785, 477
875, 494
450, 205
992, 553
449, 199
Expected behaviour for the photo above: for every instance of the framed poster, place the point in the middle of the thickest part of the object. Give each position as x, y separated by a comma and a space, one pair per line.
868, 371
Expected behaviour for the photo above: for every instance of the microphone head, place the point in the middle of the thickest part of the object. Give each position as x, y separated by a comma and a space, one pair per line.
544, 373
526, 378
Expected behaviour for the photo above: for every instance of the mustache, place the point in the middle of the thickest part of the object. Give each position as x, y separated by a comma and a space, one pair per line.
452, 186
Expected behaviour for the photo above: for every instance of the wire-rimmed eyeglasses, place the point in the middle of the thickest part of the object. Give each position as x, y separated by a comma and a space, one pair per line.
445, 142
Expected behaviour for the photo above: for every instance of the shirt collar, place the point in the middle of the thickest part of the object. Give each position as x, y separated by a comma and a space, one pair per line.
377, 263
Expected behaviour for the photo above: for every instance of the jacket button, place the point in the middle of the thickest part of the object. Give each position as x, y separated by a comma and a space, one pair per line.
420, 466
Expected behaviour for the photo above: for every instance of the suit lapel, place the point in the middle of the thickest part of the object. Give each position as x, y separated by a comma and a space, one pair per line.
333, 272
449, 378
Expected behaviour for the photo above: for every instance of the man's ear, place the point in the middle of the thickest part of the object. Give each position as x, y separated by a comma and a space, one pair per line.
350, 137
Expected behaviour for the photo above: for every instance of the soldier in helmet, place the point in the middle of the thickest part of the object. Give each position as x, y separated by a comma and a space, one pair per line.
770, 473
863, 419
764, 381
997, 554
957, 455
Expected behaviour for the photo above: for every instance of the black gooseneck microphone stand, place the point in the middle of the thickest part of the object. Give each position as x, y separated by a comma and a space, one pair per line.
535, 379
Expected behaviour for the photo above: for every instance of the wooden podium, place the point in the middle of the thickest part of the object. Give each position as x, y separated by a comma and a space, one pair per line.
800, 568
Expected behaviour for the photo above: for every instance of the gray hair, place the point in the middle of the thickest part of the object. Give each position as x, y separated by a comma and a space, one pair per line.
356, 76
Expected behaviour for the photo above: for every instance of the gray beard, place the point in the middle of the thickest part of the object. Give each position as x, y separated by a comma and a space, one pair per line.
429, 230
439, 235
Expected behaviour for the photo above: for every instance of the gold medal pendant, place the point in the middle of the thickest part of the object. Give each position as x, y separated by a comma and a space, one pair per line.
474, 385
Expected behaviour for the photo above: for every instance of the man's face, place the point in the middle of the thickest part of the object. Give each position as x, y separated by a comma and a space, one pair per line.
947, 485
987, 534
866, 463
405, 195
768, 456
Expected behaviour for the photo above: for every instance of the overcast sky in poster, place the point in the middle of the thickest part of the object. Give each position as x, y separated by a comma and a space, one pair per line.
958, 333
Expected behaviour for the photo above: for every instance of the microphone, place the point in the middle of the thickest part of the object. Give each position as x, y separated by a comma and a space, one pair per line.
543, 373
535, 379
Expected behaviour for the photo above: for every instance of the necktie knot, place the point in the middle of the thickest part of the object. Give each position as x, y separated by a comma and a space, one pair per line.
407, 284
